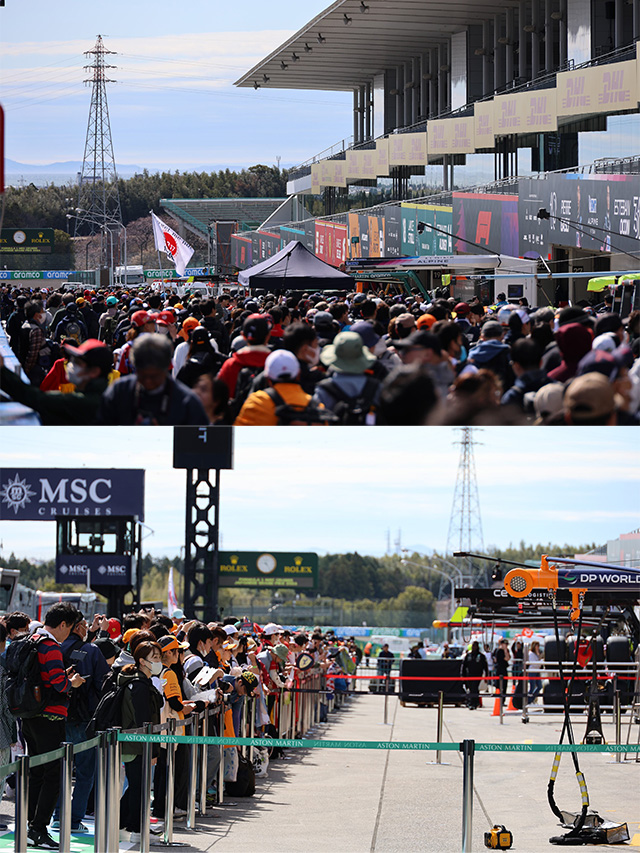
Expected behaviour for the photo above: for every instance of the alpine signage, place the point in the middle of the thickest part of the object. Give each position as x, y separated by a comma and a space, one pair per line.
44, 494
103, 569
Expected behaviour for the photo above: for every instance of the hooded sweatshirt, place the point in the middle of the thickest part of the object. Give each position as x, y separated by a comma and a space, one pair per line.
251, 356
574, 342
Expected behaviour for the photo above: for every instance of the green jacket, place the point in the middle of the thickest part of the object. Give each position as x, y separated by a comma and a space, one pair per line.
56, 409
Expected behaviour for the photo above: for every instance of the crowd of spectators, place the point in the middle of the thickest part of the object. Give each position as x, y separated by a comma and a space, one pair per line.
147, 357
148, 668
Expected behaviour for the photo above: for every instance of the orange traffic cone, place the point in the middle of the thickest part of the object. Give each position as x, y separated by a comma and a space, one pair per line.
511, 706
496, 707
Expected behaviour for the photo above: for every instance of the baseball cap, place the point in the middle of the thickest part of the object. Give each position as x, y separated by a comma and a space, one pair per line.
112, 300
492, 329
282, 366
107, 647
230, 629
256, 327
139, 318
589, 398
366, 331
178, 613
421, 338
169, 643
405, 319
80, 300
607, 323
573, 314
249, 680
462, 309
93, 352
548, 401
425, 321
271, 628
128, 634
167, 317
114, 628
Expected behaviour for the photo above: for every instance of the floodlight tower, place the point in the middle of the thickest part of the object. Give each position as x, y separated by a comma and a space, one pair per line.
98, 196
465, 524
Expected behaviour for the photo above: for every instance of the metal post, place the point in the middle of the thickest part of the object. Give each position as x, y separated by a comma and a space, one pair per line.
193, 774
468, 750
252, 725
145, 799
114, 790
221, 768
386, 698
170, 779
439, 732
501, 688
100, 796
22, 804
617, 710
66, 769
202, 804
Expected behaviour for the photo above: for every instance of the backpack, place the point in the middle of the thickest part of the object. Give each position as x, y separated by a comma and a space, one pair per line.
108, 714
70, 329
107, 331
309, 415
351, 411
78, 711
26, 693
243, 388
245, 784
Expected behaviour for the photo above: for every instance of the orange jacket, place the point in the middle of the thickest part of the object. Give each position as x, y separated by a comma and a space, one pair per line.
260, 410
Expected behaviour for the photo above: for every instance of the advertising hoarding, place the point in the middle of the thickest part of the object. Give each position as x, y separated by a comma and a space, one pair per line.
103, 569
608, 202
42, 494
268, 569
26, 240
489, 220
392, 231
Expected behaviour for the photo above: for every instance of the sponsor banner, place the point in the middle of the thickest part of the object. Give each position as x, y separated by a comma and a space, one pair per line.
382, 157
15, 275
361, 165
241, 252
353, 246
363, 227
430, 242
451, 136
331, 242
268, 244
483, 127
26, 240
268, 569
103, 569
602, 89
309, 234
333, 173
43, 494
376, 237
392, 231
599, 578
578, 207
488, 220
525, 112
408, 149
189, 271
315, 179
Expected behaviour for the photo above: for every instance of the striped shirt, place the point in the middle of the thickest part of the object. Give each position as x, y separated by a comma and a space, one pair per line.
54, 676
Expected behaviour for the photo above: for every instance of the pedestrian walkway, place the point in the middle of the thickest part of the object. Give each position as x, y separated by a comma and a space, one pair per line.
393, 801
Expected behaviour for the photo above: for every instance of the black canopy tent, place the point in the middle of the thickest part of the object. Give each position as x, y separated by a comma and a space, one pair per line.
296, 268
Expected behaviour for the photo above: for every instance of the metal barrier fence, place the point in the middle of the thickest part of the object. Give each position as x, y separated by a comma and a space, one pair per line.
296, 712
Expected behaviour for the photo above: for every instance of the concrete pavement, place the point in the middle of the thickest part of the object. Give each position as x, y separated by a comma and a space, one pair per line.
388, 801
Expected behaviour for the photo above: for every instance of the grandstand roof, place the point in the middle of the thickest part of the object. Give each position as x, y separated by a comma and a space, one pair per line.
197, 213
339, 54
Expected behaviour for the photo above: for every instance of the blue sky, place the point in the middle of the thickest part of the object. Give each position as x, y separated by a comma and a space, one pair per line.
341, 489
174, 103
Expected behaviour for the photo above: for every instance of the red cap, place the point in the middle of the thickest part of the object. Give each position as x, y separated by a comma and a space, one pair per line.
114, 628
140, 318
462, 309
167, 317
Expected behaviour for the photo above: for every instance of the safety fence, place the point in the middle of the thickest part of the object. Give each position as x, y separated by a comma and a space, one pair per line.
295, 712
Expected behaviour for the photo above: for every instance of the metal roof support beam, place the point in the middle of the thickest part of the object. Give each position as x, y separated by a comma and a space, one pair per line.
361, 109
562, 31
399, 90
433, 83
509, 46
535, 38
487, 83
522, 39
407, 94
619, 23
424, 84
356, 123
548, 37
443, 81
368, 103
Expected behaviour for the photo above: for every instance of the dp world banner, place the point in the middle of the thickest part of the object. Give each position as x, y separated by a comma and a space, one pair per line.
43, 494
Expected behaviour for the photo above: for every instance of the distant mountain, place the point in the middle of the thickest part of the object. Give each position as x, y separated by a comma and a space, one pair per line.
12, 166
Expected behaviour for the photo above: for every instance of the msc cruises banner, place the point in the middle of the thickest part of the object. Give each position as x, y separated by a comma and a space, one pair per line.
103, 569
43, 494
600, 213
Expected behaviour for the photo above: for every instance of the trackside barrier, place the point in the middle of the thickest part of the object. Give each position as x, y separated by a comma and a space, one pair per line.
108, 789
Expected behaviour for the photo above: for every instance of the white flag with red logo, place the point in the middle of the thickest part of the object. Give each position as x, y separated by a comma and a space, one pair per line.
172, 601
166, 240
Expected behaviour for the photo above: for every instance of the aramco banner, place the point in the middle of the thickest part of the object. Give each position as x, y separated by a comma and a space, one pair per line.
43, 494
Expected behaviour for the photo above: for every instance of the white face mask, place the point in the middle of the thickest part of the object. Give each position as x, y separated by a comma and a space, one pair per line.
314, 356
75, 374
155, 667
